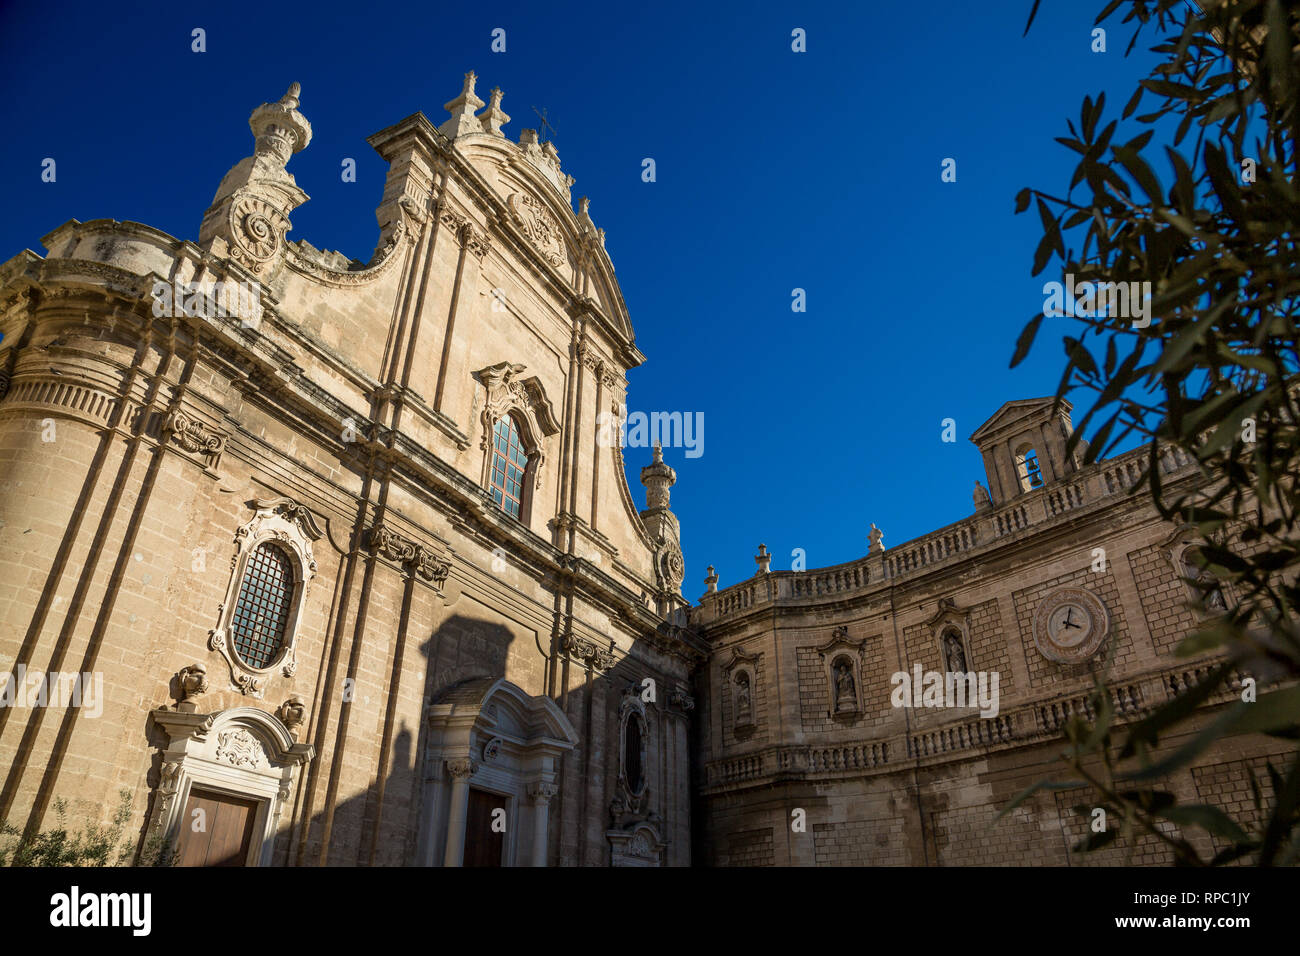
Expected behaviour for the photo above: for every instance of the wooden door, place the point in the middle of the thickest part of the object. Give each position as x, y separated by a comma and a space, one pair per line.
483, 847
226, 833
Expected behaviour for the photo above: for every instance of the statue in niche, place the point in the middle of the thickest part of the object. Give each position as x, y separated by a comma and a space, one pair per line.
1211, 594
744, 710
846, 698
954, 655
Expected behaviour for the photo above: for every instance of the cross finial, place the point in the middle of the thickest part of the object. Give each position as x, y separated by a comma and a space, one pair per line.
545, 124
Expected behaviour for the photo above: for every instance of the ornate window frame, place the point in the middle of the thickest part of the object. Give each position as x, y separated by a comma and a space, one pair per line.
283, 522
508, 393
840, 648
948, 618
632, 708
243, 752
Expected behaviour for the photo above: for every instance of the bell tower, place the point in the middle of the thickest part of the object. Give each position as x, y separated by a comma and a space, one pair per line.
1023, 445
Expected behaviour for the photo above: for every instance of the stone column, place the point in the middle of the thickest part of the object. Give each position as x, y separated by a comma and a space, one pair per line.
540, 794
460, 771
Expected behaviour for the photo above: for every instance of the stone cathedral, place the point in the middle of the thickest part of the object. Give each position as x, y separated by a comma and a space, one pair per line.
329, 555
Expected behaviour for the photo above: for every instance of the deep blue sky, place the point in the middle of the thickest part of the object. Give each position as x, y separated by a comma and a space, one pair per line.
776, 170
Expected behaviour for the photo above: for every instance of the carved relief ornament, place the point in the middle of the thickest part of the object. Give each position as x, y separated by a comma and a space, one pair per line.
536, 223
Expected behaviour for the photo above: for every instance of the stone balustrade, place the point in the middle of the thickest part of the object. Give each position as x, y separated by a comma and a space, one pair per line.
1028, 723
1087, 490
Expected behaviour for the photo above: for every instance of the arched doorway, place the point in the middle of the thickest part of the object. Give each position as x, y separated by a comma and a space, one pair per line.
490, 773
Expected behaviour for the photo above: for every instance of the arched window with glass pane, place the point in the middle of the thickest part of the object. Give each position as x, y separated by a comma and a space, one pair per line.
509, 467
261, 616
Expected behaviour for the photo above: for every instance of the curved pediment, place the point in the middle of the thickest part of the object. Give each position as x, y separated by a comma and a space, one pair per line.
536, 204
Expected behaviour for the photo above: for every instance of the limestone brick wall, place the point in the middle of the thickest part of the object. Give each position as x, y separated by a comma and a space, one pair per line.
748, 848
815, 706
1164, 597
1043, 673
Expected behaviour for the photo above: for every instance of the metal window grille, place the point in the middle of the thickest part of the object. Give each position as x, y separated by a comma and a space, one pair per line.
261, 616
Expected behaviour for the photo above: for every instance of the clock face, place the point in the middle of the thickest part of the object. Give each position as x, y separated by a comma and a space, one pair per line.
1070, 625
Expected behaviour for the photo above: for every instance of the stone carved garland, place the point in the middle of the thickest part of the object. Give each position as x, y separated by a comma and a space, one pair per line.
379, 264
193, 436
416, 557
536, 223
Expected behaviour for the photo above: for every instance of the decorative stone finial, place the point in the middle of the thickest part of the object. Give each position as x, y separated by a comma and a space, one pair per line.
876, 536
193, 683
661, 525
493, 118
249, 215
711, 581
763, 560
981, 496
462, 109
280, 129
292, 713
657, 478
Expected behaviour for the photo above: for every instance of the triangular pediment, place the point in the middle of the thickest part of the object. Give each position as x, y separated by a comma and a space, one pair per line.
1016, 412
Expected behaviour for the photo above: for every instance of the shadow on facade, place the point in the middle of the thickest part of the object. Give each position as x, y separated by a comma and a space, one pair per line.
381, 826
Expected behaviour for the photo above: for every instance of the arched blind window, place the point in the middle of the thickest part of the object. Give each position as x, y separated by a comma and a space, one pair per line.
508, 466
262, 611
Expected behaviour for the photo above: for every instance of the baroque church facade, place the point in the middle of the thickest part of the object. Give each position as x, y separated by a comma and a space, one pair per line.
365, 587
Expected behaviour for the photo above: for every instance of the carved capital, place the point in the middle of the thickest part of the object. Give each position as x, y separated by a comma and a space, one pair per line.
431, 567
385, 541
541, 793
681, 700
462, 768
476, 243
